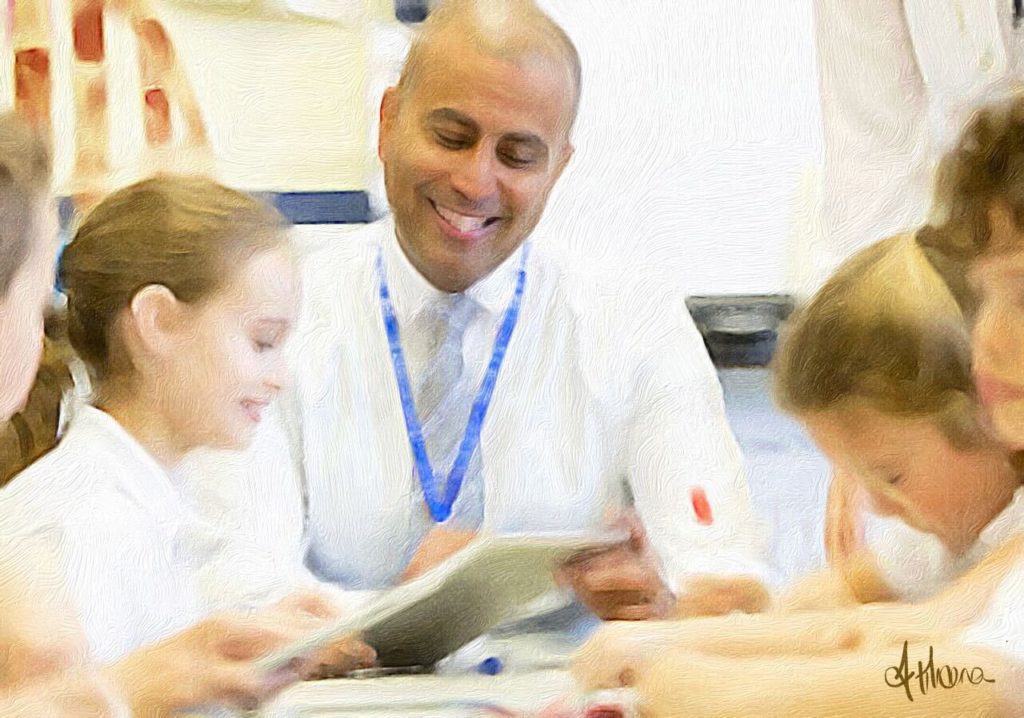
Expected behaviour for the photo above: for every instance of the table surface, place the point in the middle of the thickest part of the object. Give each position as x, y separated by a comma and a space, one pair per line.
439, 696
535, 675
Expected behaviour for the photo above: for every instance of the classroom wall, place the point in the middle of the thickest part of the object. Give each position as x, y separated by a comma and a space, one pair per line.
698, 139
697, 144
284, 96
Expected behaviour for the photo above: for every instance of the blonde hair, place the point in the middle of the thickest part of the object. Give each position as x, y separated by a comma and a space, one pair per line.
885, 331
188, 234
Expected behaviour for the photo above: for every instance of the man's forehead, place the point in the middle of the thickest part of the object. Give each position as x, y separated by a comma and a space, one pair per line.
524, 60
521, 96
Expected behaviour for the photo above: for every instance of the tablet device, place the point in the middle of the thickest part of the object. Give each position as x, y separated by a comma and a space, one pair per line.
420, 622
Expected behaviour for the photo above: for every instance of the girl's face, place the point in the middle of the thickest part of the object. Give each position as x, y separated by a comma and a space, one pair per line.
911, 470
21, 315
998, 342
229, 361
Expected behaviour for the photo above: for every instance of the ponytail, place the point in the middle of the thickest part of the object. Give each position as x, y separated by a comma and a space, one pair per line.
33, 431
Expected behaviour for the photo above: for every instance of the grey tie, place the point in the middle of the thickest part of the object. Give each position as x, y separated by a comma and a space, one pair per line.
443, 403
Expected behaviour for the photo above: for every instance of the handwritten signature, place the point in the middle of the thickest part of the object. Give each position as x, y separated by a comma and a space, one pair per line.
928, 675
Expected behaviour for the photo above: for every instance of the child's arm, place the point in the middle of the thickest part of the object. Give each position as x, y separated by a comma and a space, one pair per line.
852, 581
852, 576
862, 684
844, 535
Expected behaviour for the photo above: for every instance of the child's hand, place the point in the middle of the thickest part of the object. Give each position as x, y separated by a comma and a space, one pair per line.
306, 611
211, 663
721, 595
819, 591
618, 651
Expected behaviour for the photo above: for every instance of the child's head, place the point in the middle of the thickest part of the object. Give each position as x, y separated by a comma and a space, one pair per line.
877, 366
181, 293
28, 236
978, 232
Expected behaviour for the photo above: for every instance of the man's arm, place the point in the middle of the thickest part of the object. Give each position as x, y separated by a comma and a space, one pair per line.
686, 471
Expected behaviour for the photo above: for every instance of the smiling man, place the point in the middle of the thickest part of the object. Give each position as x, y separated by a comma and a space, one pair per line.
453, 378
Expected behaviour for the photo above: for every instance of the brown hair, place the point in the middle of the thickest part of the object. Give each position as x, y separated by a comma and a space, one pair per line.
24, 191
24, 186
985, 167
185, 233
188, 234
883, 330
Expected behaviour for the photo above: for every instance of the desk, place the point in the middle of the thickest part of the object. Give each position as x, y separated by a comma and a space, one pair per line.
536, 675
438, 696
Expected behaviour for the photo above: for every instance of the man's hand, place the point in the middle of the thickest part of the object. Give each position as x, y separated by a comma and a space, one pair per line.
622, 583
438, 545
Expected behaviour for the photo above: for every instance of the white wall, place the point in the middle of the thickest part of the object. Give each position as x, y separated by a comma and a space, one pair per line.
698, 139
284, 100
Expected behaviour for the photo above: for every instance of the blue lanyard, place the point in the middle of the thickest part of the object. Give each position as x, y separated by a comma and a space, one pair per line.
441, 506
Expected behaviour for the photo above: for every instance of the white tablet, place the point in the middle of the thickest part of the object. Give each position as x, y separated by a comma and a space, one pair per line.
420, 622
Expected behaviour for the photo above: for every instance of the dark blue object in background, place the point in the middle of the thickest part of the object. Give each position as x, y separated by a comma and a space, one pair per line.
411, 10
324, 207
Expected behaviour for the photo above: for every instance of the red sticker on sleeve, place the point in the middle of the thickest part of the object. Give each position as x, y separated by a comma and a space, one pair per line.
701, 506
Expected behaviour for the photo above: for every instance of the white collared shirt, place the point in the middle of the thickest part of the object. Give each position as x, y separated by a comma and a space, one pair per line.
600, 386
121, 537
917, 565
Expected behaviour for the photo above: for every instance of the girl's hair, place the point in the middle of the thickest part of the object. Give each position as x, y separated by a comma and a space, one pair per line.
884, 331
24, 194
188, 234
24, 188
986, 166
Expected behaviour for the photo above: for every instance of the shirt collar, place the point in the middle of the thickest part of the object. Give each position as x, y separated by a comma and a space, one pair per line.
152, 487
411, 292
1009, 522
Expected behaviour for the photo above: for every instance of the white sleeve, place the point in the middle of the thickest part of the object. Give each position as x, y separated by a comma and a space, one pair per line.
70, 568
915, 565
685, 467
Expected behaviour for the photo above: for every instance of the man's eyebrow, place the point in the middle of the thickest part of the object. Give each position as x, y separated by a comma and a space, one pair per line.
447, 114
526, 138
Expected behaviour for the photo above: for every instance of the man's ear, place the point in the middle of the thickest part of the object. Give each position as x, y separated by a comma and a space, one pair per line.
154, 315
567, 153
388, 117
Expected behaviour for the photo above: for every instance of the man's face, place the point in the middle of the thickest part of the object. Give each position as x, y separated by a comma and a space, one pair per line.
471, 150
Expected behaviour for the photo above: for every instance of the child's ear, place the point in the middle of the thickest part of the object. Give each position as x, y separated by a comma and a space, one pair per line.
156, 318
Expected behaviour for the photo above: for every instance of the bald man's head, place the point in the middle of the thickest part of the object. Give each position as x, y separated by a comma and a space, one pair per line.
504, 29
476, 134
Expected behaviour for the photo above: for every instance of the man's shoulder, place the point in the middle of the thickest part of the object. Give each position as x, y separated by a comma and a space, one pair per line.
617, 299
